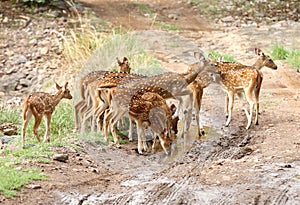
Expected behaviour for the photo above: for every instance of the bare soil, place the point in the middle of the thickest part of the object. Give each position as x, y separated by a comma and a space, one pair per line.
231, 165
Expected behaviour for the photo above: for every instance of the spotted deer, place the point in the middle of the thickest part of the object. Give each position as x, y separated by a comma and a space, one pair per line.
100, 96
151, 110
167, 85
40, 104
262, 61
197, 87
85, 101
236, 77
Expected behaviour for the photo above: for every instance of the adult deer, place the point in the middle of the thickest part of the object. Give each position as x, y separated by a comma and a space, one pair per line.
167, 85
40, 104
237, 77
151, 110
85, 102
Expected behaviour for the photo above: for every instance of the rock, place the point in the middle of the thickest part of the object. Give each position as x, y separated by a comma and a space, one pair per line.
44, 50
18, 59
227, 19
60, 157
33, 186
173, 16
25, 82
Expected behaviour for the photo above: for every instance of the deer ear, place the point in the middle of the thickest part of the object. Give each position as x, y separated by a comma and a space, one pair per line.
220, 59
199, 56
66, 84
119, 62
259, 52
58, 87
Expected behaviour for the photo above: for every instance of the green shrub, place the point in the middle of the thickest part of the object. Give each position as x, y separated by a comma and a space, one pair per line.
279, 52
227, 58
294, 58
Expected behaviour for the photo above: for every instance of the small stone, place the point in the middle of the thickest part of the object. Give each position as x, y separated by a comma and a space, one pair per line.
227, 19
60, 157
34, 186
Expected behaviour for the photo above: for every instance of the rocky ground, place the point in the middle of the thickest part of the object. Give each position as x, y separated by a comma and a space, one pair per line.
230, 166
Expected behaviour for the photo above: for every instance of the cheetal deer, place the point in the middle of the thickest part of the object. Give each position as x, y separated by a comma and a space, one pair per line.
100, 98
39, 104
167, 85
151, 110
236, 77
197, 87
85, 100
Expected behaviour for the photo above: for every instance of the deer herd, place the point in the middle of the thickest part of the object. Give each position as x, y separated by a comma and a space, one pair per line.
109, 98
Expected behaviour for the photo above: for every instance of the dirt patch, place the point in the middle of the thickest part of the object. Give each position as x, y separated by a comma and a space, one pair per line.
229, 166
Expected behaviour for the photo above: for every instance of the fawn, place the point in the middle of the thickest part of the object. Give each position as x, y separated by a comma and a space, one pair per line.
235, 77
39, 104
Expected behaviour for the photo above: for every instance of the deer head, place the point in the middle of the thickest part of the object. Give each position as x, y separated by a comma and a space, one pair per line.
124, 66
64, 91
264, 60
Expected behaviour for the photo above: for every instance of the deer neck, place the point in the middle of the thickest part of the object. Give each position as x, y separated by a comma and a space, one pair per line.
191, 75
258, 65
56, 98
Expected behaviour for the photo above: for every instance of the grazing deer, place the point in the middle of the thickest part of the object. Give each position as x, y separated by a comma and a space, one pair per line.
40, 104
236, 77
85, 101
167, 85
262, 61
151, 110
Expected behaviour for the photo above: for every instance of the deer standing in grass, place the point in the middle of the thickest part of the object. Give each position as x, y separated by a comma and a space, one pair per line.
235, 77
167, 85
85, 102
40, 104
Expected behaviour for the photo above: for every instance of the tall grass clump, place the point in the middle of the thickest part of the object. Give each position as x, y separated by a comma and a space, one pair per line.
292, 56
227, 58
279, 52
10, 115
81, 43
294, 59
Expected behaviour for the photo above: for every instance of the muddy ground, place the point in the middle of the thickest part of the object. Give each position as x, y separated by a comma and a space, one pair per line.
230, 165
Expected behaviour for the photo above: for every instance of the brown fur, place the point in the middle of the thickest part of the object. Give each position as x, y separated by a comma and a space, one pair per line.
40, 104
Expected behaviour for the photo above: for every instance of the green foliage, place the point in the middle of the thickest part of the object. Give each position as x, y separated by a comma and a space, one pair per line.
227, 58
145, 9
11, 115
166, 26
292, 56
12, 178
279, 52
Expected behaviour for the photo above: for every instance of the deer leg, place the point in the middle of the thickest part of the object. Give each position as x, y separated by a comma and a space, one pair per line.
230, 96
226, 106
130, 132
26, 119
47, 126
187, 117
197, 106
141, 133
107, 117
38, 119
77, 108
113, 122
249, 98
